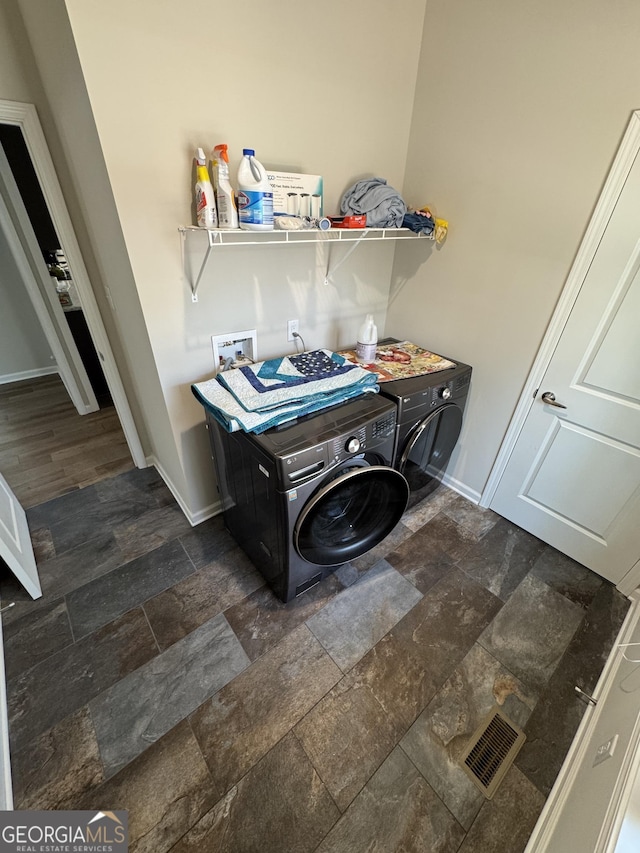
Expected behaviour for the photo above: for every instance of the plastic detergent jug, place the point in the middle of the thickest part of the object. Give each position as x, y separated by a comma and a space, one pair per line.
205, 203
255, 194
225, 199
367, 340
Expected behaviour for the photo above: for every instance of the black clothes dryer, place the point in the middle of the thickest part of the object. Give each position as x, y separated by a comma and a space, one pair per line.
428, 424
309, 496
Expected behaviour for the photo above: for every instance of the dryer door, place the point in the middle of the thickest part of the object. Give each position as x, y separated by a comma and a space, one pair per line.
350, 514
429, 447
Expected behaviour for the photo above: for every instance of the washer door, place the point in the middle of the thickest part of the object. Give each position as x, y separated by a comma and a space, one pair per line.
350, 514
429, 447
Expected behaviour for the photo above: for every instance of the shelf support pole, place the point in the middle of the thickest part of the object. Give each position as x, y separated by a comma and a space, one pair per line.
329, 275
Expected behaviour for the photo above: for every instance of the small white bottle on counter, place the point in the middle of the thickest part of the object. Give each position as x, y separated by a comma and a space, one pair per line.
367, 340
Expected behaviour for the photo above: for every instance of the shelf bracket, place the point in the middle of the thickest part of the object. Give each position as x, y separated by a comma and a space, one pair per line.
279, 238
194, 284
329, 274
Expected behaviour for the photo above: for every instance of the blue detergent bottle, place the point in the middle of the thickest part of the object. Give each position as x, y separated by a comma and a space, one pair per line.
255, 194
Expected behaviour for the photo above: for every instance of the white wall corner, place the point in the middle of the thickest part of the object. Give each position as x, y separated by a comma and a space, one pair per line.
194, 518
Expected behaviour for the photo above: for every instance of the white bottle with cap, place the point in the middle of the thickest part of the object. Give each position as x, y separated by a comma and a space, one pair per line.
367, 340
255, 194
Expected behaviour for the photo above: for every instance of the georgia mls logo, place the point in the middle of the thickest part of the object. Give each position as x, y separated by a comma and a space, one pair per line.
64, 832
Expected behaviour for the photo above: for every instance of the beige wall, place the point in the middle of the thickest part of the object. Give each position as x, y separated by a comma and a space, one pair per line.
519, 111
61, 107
273, 77
65, 113
23, 346
517, 115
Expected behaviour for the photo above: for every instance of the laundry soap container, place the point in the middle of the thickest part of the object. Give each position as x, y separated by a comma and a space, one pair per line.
367, 340
206, 216
225, 200
255, 194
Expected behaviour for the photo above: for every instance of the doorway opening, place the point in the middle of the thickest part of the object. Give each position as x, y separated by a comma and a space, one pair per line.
61, 437
60, 274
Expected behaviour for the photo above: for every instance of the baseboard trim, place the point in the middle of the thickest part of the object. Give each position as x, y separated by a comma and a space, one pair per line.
461, 488
21, 376
194, 518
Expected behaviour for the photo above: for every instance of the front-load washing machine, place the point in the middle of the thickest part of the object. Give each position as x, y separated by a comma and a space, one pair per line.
428, 424
306, 497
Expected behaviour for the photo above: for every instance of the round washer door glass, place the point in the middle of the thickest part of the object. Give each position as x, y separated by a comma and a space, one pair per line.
350, 515
430, 446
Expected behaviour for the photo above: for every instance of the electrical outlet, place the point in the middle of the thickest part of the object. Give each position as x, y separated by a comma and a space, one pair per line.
292, 326
605, 750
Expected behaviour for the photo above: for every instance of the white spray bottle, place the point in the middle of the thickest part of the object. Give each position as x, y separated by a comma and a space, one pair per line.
206, 216
225, 198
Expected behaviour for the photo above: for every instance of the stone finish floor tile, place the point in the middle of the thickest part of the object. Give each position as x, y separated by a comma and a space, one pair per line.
48, 692
262, 620
502, 558
57, 768
505, 823
150, 530
241, 723
396, 810
99, 602
418, 515
566, 576
36, 636
406, 668
532, 631
399, 533
58, 510
290, 721
179, 610
42, 544
143, 483
281, 804
95, 518
477, 520
347, 736
207, 542
438, 738
557, 715
165, 790
142, 707
446, 535
354, 621
421, 563
62, 574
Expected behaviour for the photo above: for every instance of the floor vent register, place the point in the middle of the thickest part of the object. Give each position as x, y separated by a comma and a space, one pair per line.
492, 751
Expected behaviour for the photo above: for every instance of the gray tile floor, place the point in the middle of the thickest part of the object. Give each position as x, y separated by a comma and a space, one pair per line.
160, 675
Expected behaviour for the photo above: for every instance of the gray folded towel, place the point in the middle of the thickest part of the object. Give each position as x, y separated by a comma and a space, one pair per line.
383, 206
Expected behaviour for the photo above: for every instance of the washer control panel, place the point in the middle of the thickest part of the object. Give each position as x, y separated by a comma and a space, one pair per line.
350, 444
318, 442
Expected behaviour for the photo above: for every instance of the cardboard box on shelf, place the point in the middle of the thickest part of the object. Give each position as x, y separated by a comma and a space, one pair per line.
286, 183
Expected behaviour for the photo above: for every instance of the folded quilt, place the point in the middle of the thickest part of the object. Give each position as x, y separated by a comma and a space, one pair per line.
308, 376
270, 393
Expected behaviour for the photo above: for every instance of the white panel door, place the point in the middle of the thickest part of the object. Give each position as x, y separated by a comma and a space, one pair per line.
573, 477
15, 542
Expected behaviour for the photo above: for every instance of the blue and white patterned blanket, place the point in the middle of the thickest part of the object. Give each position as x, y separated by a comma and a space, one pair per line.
262, 395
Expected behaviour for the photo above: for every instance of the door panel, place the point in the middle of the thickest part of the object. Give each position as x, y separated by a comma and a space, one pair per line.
573, 477
15, 542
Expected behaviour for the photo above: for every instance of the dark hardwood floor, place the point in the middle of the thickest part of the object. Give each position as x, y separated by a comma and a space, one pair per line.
47, 449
